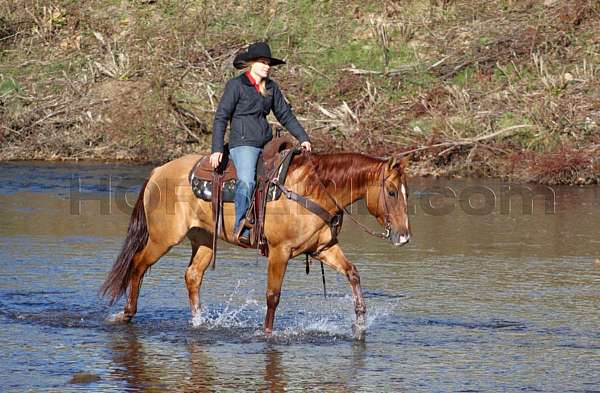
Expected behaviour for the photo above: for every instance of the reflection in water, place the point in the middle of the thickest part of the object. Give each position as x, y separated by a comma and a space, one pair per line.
358, 363
201, 369
285, 368
131, 362
275, 376
157, 365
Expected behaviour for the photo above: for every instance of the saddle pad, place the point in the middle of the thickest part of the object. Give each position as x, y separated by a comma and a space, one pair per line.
203, 190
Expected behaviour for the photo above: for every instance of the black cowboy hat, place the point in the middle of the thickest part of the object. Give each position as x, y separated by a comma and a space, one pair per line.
255, 51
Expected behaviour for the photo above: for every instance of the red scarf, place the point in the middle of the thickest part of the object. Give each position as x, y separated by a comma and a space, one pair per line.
251, 79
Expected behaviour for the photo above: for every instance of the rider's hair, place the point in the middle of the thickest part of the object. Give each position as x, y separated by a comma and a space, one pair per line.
262, 84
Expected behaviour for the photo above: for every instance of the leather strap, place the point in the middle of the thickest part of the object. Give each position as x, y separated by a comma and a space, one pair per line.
334, 221
217, 206
306, 203
260, 201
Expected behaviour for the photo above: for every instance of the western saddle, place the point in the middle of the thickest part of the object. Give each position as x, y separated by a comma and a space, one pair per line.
218, 186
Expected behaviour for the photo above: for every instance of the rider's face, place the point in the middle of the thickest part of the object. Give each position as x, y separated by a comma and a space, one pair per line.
261, 67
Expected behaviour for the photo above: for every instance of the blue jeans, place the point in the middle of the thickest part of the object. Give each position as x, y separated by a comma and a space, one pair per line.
245, 159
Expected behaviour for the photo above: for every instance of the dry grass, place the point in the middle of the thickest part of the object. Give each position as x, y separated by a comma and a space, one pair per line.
497, 88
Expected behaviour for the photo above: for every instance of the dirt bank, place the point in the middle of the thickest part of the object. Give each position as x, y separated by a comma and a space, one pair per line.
504, 89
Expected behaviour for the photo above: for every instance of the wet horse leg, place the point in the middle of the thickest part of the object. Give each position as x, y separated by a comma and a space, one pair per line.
201, 256
278, 260
141, 262
335, 258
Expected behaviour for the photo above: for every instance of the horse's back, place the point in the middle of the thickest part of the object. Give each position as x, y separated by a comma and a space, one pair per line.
182, 164
174, 171
173, 206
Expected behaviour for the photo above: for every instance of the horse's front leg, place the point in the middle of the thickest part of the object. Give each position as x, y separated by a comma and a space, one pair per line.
278, 260
335, 258
201, 257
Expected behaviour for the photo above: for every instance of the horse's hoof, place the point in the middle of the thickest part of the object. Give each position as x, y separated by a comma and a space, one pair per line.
120, 317
359, 331
196, 318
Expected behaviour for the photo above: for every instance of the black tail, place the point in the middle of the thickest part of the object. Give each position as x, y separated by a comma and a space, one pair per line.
118, 279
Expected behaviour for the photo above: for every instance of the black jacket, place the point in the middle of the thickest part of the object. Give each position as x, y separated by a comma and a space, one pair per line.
247, 110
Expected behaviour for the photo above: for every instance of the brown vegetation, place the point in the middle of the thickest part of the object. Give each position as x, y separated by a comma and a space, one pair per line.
501, 88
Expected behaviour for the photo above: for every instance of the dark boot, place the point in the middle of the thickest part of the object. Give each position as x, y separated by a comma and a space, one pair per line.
242, 235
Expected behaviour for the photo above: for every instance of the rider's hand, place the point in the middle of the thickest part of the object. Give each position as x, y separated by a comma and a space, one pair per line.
306, 145
215, 159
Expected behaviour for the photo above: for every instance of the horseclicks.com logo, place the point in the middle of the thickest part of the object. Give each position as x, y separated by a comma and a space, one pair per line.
116, 195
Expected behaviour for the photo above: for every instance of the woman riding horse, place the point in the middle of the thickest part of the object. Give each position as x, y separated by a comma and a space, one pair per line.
246, 102
167, 211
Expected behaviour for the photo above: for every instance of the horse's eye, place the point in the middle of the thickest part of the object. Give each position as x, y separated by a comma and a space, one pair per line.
392, 194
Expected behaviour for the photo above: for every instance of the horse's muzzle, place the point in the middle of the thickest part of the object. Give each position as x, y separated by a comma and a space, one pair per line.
399, 239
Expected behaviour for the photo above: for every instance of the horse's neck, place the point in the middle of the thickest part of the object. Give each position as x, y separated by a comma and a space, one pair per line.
348, 193
360, 175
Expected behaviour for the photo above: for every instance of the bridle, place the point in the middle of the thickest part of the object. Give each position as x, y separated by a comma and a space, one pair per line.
386, 211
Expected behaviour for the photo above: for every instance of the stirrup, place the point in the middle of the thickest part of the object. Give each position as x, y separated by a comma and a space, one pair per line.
243, 241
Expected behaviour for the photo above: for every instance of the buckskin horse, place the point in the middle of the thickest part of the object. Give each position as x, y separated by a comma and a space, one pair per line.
167, 211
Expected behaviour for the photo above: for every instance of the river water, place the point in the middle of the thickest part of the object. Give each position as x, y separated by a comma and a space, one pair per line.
486, 297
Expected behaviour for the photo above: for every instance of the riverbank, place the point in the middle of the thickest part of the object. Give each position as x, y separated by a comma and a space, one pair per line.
499, 89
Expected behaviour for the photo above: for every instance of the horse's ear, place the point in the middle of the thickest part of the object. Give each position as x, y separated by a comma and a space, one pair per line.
392, 163
397, 163
404, 161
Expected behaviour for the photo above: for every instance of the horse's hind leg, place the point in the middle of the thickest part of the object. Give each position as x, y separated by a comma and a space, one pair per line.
201, 257
141, 262
335, 258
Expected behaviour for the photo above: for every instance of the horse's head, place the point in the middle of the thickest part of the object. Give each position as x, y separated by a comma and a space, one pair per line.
387, 200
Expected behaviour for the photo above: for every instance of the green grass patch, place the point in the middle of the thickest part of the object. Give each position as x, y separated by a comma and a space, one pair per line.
465, 127
187, 97
509, 119
56, 67
424, 127
318, 86
362, 54
401, 55
464, 77
526, 137
9, 86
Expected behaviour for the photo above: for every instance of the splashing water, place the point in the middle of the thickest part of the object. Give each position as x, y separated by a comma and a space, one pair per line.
332, 317
231, 316
116, 317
